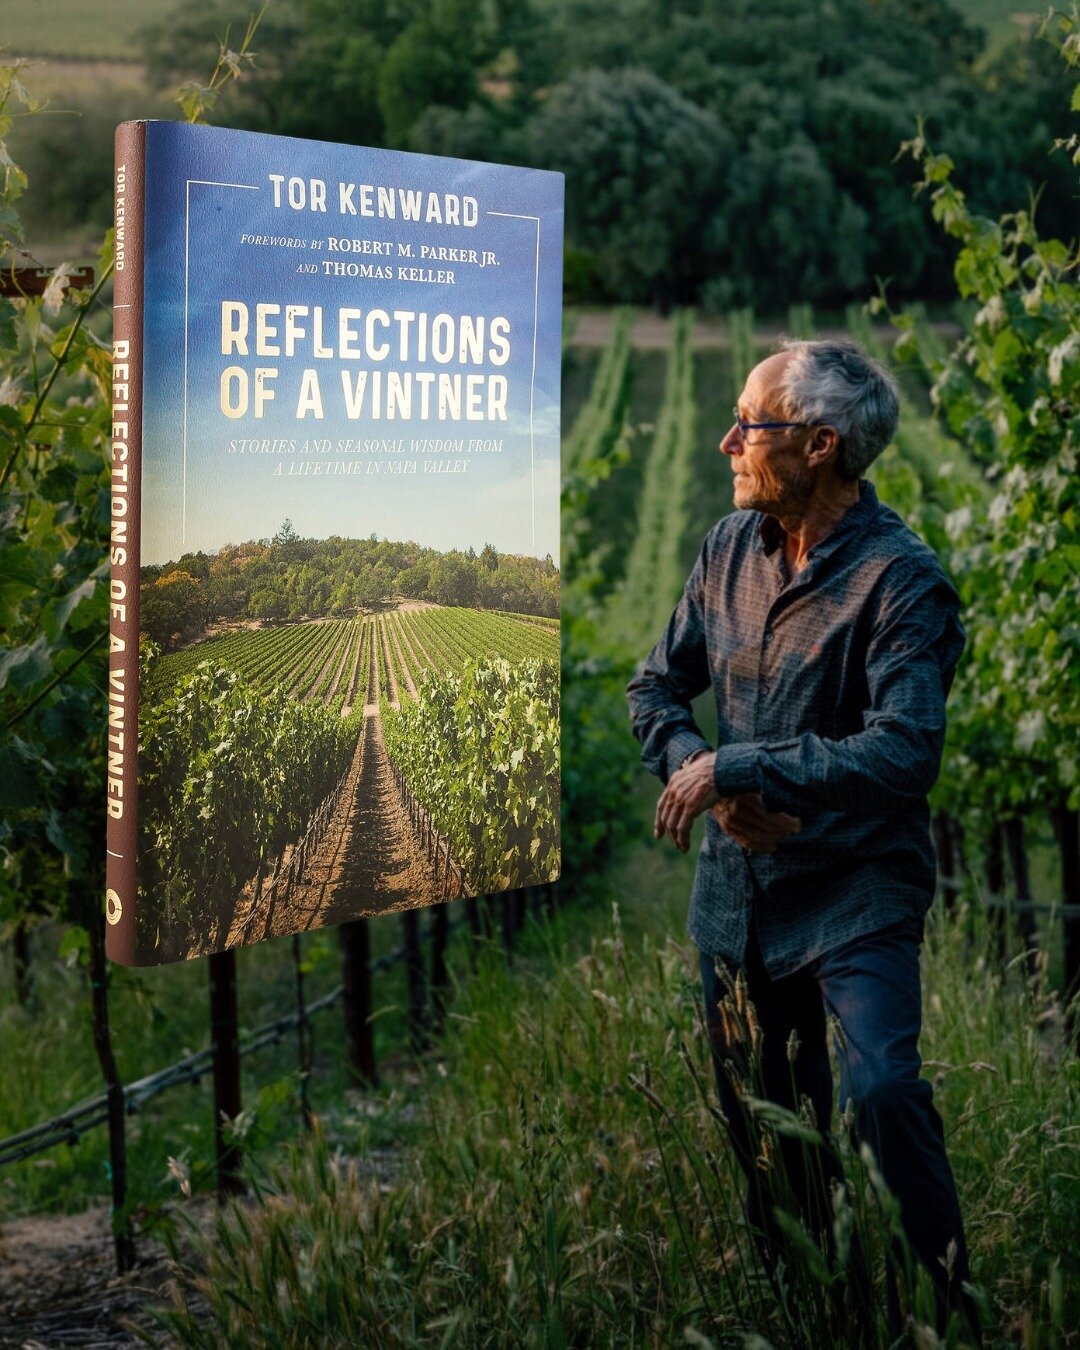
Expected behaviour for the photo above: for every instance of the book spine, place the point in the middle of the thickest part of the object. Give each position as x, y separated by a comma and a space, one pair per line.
122, 794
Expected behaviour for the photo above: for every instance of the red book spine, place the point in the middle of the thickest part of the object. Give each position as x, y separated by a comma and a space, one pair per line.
122, 792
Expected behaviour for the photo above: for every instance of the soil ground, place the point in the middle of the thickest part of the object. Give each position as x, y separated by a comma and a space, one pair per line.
59, 1286
369, 861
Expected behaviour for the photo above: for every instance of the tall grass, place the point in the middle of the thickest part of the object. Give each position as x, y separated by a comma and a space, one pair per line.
159, 1014
572, 1184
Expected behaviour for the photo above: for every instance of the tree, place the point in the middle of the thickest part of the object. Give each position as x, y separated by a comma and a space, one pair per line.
269, 604
423, 66
453, 580
286, 536
369, 589
645, 170
414, 581
475, 132
172, 608
806, 237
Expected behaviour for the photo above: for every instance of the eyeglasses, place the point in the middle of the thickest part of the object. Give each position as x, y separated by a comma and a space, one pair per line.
744, 427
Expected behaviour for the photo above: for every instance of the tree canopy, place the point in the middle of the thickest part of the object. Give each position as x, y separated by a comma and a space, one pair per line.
288, 579
715, 153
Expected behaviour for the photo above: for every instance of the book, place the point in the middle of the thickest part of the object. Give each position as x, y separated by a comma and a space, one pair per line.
333, 685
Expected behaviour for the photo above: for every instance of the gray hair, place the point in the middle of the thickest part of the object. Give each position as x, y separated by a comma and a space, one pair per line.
835, 383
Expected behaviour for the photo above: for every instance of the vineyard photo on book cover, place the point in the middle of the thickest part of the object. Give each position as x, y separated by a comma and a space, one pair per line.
335, 536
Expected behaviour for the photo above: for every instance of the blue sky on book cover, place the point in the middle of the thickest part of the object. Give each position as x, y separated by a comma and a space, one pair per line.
431, 414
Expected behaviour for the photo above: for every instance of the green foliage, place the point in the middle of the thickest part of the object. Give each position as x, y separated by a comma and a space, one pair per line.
68, 156
581, 280
196, 99
645, 169
804, 223
598, 424
813, 104
172, 608
220, 762
722, 148
293, 578
572, 1173
158, 1015
599, 754
1010, 390
475, 132
639, 608
422, 67
326, 660
55, 376
363, 74
480, 751
744, 350
192, 38
54, 529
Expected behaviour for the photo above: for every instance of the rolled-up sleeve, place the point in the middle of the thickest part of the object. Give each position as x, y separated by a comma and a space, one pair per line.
915, 642
664, 685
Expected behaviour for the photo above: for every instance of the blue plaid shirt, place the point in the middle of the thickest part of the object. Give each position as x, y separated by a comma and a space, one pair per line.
830, 690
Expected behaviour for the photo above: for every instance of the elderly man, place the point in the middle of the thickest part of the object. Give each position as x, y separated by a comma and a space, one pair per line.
829, 635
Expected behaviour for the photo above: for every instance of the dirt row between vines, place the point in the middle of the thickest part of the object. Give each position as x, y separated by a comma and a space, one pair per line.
370, 860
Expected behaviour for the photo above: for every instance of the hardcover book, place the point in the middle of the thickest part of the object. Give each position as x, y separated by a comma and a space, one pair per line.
334, 679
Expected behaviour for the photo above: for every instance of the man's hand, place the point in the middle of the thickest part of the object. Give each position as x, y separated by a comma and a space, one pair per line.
745, 819
689, 791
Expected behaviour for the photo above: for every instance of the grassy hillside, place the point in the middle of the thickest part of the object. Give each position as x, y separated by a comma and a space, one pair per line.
78, 29
566, 1183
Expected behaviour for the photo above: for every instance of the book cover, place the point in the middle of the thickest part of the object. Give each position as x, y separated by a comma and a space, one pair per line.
334, 644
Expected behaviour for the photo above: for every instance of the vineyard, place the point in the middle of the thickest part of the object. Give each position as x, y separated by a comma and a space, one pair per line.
508, 1135
331, 661
649, 485
1005, 790
271, 742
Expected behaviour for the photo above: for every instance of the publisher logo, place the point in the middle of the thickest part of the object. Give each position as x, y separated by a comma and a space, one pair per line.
113, 908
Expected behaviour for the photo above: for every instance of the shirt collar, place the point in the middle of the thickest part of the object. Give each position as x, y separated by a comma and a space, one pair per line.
771, 533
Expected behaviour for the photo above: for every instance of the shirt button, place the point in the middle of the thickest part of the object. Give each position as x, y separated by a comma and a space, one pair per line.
768, 637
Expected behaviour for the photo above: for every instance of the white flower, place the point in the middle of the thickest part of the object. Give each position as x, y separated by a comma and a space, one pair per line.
1060, 355
1030, 729
53, 297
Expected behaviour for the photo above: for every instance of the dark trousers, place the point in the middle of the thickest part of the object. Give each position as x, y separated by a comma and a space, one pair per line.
872, 987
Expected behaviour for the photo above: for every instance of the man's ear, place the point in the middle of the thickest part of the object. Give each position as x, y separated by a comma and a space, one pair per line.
823, 445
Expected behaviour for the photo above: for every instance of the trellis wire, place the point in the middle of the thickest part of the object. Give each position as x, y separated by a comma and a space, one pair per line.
69, 1127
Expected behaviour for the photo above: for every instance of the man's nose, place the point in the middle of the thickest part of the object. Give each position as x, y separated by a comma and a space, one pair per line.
732, 442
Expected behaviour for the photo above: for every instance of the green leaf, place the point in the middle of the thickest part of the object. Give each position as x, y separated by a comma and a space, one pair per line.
56, 614
26, 665
22, 571
73, 940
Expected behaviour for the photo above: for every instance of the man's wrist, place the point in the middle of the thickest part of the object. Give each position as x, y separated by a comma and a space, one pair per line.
694, 754
679, 748
736, 769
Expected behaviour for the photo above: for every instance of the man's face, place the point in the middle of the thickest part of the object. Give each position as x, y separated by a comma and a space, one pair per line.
770, 468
